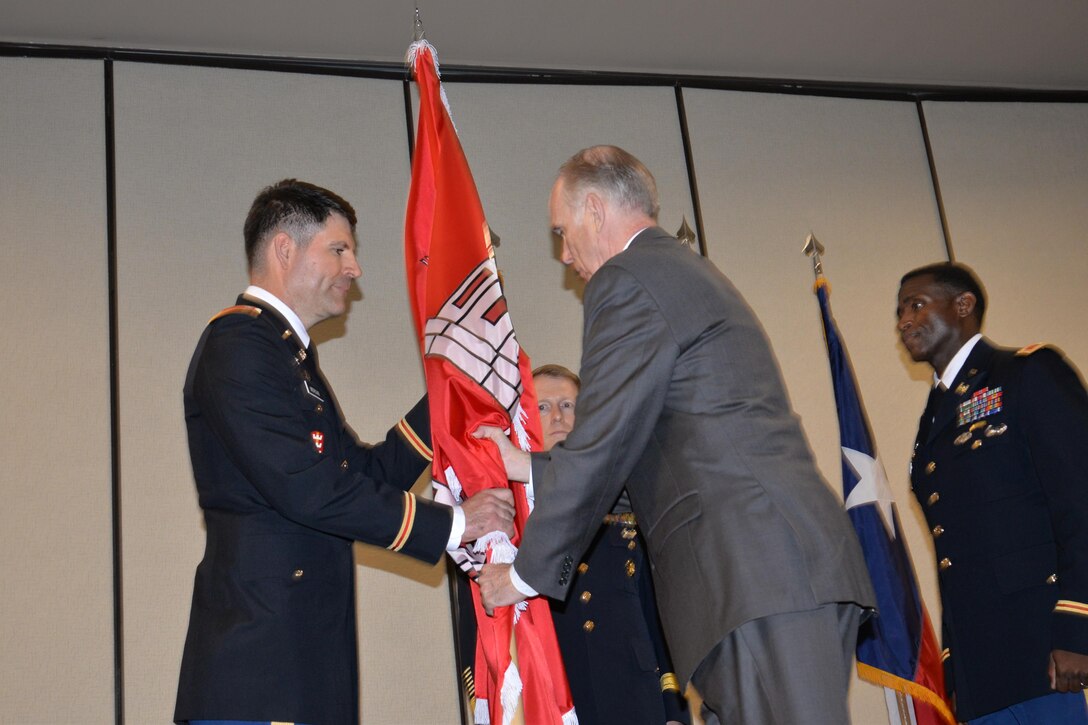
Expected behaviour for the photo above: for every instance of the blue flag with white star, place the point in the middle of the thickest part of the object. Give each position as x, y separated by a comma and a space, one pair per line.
897, 648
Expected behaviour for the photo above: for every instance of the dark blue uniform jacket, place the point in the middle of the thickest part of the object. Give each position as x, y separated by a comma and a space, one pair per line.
285, 489
1002, 477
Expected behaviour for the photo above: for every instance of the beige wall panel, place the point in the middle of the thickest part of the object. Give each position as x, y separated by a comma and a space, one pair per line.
56, 603
1014, 177
194, 147
771, 169
515, 138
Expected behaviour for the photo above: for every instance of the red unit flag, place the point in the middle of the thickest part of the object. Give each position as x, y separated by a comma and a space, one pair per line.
477, 374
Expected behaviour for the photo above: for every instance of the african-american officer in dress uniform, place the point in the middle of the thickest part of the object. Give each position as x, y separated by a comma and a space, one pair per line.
1000, 474
285, 487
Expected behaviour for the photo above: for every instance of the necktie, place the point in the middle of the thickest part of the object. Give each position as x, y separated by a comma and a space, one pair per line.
933, 403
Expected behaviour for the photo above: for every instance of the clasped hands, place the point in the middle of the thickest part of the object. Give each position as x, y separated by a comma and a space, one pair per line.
496, 587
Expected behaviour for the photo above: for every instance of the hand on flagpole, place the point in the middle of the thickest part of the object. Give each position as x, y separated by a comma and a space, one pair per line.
515, 460
496, 587
489, 510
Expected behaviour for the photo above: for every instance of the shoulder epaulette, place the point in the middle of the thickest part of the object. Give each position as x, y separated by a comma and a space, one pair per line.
1030, 349
237, 310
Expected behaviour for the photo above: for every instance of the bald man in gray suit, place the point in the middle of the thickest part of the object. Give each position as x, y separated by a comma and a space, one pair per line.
760, 578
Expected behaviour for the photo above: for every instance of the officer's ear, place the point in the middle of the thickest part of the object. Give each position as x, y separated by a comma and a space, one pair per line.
965, 304
283, 249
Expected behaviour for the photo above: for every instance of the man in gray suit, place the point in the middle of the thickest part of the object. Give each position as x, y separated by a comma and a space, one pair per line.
760, 578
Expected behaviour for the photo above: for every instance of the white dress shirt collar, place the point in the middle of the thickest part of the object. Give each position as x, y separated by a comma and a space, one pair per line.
956, 363
640, 231
292, 319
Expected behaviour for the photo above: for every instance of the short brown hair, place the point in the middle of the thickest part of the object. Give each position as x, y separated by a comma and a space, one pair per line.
552, 370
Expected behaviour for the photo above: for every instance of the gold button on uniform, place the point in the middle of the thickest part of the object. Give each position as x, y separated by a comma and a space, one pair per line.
298, 573
344, 465
631, 545
629, 568
931, 467
933, 498
586, 596
1052, 579
583, 568
589, 625
937, 531
945, 563
976, 445
319, 408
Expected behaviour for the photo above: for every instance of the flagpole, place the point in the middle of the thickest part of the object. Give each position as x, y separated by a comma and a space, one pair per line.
814, 249
900, 704
450, 261
895, 701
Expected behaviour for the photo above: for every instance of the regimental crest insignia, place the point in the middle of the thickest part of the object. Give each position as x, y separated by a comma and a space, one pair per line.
983, 403
319, 440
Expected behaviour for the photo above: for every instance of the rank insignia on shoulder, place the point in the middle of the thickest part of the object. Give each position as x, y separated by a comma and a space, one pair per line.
249, 310
1027, 350
319, 440
984, 402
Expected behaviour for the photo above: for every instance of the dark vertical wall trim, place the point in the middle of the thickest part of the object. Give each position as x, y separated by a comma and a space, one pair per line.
408, 119
689, 160
936, 182
115, 412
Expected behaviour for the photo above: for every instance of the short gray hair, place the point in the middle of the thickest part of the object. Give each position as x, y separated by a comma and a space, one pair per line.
614, 172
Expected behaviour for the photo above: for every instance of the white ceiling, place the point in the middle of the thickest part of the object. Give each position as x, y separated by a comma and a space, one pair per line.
1037, 44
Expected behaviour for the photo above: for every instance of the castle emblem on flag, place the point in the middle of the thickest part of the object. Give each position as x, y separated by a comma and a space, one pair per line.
474, 332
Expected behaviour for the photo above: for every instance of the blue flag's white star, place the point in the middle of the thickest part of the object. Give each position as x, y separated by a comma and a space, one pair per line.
872, 486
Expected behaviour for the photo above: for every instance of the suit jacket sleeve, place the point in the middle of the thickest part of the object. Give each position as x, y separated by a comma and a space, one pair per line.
252, 400
1056, 424
628, 353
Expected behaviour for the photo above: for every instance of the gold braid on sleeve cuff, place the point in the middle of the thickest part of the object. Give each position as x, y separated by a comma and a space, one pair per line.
408, 520
1067, 606
669, 683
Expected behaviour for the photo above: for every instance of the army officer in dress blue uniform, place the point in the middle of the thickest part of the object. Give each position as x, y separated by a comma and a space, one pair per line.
999, 471
286, 488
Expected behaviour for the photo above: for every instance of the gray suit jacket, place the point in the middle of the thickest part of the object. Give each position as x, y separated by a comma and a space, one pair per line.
682, 403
